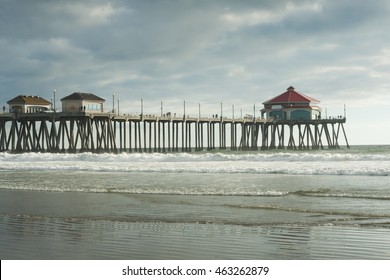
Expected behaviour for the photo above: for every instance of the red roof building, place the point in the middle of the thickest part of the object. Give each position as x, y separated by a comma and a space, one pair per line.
291, 105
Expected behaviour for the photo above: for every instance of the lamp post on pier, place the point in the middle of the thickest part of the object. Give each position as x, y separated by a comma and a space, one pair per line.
142, 108
184, 105
113, 102
118, 106
54, 100
345, 111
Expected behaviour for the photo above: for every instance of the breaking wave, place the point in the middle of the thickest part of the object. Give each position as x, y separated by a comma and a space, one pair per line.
297, 163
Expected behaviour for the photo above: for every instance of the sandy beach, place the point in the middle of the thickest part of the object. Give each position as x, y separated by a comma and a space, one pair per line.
51, 225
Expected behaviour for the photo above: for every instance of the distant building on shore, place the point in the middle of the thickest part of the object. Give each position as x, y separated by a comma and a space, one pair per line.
28, 104
291, 105
82, 102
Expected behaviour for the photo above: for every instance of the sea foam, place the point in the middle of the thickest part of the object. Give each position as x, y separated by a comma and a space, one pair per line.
297, 163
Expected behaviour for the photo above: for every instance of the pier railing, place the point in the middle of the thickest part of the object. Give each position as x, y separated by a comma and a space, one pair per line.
107, 132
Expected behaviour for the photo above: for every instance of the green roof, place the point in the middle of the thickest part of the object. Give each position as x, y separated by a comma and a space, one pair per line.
82, 96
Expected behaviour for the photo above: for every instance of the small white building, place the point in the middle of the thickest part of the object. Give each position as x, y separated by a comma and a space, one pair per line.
82, 102
29, 104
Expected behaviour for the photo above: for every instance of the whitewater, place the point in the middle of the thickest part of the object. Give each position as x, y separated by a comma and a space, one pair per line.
335, 162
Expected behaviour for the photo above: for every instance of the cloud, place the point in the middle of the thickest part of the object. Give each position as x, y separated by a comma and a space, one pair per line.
240, 52
84, 14
236, 20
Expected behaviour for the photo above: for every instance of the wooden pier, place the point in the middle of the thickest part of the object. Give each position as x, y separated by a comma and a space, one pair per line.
106, 132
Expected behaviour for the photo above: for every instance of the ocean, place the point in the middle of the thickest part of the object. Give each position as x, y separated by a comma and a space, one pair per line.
279, 204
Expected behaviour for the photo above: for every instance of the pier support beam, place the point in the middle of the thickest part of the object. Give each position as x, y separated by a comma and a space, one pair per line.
107, 133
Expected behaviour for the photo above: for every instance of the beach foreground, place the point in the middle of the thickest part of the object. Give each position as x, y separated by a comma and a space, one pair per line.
231, 205
71, 233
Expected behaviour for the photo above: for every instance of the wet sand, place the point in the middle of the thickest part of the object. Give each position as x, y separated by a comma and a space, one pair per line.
31, 229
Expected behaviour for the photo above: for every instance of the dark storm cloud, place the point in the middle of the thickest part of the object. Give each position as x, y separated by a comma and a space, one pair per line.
194, 49
208, 52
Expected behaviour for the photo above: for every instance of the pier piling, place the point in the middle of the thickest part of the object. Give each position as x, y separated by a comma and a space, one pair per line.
84, 132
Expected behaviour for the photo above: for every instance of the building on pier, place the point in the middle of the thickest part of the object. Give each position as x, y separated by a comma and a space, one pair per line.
291, 105
83, 126
28, 104
81, 101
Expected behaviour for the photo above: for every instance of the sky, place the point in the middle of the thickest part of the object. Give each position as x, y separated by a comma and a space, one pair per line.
207, 54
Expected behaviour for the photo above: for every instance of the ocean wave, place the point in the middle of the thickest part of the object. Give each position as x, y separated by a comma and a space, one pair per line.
367, 221
356, 215
159, 191
267, 156
327, 193
203, 191
282, 168
296, 163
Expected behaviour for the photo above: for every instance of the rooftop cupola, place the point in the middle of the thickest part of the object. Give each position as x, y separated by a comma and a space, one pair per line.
290, 88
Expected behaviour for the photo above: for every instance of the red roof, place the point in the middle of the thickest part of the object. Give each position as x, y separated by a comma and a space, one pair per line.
291, 96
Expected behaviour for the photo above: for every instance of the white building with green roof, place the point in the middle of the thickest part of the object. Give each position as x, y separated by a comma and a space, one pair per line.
82, 102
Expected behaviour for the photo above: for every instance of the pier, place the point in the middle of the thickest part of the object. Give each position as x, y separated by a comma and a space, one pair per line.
73, 132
